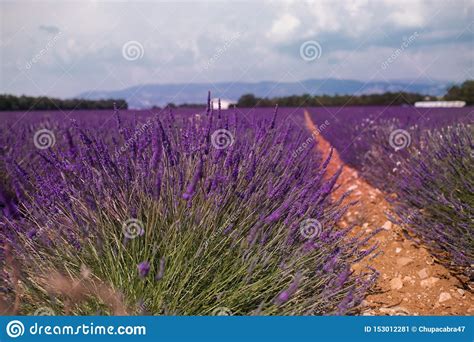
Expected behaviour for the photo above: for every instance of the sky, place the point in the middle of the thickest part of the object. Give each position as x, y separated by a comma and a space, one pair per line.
64, 48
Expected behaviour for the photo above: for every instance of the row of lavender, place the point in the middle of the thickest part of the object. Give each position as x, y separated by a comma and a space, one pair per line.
425, 157
175, 213
353, 131
434, 183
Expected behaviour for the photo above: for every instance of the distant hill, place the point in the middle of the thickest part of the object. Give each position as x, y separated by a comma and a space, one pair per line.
143, 96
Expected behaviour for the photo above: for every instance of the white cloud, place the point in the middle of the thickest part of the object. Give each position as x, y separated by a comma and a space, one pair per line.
410, 14
326, 16
407, 19
283, 27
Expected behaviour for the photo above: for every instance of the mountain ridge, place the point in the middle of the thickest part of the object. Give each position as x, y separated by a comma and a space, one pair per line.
148, 95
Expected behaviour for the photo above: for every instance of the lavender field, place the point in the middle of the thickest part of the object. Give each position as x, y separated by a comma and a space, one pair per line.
219, 212
186, 214
303, 168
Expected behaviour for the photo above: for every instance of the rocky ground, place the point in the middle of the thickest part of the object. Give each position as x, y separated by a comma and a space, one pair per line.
411, 281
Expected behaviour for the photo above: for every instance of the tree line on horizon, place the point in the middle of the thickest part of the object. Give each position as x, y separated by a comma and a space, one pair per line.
12, 103
463, 92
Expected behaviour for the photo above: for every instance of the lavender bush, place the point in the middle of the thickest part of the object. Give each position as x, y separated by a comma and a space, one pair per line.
436, 197
424, 157
175, 214
431, 175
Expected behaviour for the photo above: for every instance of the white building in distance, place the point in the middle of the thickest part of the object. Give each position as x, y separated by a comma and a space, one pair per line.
225, 104
440, 104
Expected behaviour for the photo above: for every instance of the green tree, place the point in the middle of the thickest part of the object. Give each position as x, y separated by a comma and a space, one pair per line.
247, 100
465, 92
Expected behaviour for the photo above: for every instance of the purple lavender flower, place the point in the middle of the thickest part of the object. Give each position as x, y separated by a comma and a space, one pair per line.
285, 295
143, 269
31, 234
190, 190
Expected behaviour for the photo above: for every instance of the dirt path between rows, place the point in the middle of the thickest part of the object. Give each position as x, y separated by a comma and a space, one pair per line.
411, 282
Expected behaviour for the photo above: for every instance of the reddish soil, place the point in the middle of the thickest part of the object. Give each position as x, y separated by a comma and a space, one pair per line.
411, 281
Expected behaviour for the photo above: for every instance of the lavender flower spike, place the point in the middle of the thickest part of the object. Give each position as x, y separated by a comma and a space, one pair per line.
285, 295
190, 190
143, 269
